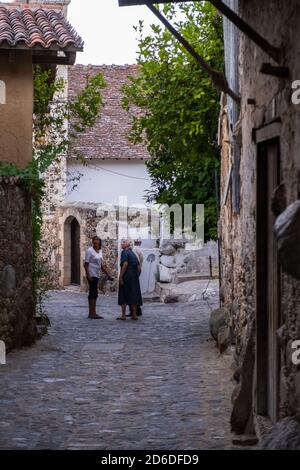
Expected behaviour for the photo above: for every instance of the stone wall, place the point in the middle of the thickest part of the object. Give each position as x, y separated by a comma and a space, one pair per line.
17, 312
56, 246
178, 260
271, 102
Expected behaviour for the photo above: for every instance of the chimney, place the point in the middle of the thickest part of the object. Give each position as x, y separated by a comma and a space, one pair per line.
48, 4
52, 4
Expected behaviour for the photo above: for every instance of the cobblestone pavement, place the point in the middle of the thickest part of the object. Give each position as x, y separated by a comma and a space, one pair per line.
158, 383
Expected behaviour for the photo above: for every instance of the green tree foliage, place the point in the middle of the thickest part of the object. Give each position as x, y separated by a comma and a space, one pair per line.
175, 108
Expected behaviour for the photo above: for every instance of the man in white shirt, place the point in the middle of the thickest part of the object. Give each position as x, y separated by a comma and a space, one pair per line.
93, 266
138, 252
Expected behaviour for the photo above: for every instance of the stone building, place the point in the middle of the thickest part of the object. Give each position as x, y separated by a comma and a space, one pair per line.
30, 33
260, 218
110, 165
67, 235
101, 167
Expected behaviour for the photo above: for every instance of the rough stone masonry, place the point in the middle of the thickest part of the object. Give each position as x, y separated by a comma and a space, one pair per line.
17, 317
266, 106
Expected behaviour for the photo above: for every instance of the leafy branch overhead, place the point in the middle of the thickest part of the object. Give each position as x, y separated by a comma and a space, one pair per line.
52, 111
178, 108
84, 110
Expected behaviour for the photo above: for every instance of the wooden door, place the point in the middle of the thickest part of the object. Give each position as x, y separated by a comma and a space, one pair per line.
268, 283
75, 252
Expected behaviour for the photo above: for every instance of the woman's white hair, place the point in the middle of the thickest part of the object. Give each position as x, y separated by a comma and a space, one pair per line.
129, 240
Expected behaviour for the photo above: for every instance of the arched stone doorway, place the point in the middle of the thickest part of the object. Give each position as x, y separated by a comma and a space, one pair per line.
72, 252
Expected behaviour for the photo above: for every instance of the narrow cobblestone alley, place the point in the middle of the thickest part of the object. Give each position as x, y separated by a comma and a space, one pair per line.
158, 383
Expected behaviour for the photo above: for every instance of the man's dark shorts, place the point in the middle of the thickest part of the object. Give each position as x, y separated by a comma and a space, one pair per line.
93, 293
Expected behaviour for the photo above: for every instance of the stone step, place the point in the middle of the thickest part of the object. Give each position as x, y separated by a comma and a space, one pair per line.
193, 277
72, 288
150, 298
189, 291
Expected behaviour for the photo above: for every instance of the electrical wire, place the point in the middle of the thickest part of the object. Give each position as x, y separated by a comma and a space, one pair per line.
99, 168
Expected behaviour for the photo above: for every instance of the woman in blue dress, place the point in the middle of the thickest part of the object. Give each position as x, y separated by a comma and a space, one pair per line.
129, 282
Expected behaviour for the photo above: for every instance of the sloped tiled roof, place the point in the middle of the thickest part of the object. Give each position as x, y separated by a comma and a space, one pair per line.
22, 26
108, 139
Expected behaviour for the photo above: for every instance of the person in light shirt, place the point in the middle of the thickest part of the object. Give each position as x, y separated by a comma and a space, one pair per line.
93, 266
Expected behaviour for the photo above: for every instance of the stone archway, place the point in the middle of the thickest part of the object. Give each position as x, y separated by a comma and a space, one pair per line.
72, 252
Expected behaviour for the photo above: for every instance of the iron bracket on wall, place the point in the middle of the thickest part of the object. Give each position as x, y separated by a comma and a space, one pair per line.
218, 78
275, 71
272, 51
248, 30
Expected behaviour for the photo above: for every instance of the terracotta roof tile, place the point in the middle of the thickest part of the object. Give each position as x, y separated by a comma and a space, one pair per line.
36, 28
108, 139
